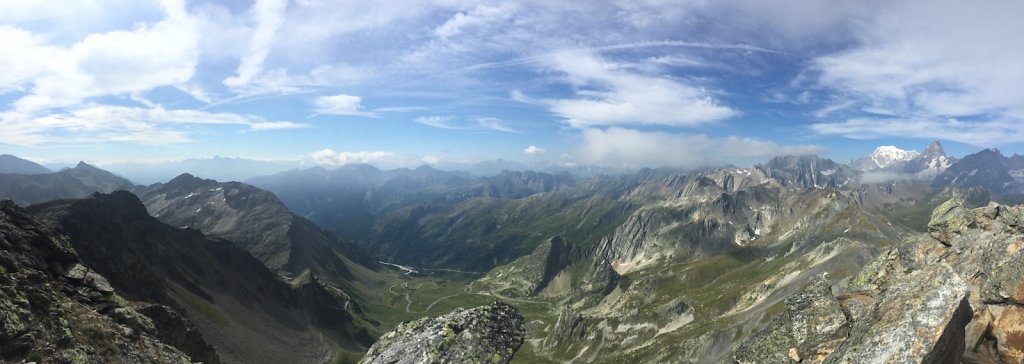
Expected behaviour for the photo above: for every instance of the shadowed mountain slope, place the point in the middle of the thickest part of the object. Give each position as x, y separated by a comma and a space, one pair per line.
10, 164
245, 310
75, 182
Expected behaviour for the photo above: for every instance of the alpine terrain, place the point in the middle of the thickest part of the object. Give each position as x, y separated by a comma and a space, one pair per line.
520, 181
796, 259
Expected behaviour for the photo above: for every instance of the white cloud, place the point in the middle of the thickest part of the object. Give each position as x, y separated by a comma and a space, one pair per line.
436, 121
432, 159
117, 62
534, 150
276, 125
495, 124
331, 158
981, 134
22, 58
479, 15
340, 104
97, 123
934, 69
628, 147
608, 94
268, 15
195, 91
226, 37
831, 108
452, 123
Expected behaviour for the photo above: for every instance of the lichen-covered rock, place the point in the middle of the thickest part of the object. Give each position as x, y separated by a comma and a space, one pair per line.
988, 256
878, 273
812, 327
949, 219
487, 334
955, 294
918, 318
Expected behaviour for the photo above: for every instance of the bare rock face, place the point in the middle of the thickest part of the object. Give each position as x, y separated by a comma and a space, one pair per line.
918, 319
570, 326
948, 220
812, 326
1008, 331
989, 257
953, 295
488, 334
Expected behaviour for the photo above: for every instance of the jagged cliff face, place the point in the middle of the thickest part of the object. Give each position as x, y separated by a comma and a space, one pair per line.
259, 223
488, 334
53, 308
988, 169
540, 271
808, 172
556, 269
723, 210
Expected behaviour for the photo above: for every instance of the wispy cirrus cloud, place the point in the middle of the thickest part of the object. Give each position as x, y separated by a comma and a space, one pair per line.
976, 133
476, 123
946, 69
93, 123
268, 14
437, 121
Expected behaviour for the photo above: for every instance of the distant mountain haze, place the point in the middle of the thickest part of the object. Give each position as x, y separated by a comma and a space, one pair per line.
76, 182
10, 164
217, 168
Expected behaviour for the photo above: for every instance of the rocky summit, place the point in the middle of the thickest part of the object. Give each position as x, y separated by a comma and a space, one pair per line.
949, 296
488, 334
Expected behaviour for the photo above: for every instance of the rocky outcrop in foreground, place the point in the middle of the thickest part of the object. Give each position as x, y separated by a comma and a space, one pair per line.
54, 309
488, 334
950, 296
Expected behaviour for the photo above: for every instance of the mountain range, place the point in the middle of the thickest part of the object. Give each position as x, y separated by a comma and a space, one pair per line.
721, 264
79, 181
218, 168
889, 162
10, 164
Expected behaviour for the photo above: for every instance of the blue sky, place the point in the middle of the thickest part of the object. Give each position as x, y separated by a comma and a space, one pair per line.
403, 83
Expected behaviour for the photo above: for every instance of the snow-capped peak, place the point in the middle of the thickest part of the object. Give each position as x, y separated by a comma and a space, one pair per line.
886, 155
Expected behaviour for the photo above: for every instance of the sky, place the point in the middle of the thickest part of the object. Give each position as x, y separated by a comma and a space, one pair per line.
404, 83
